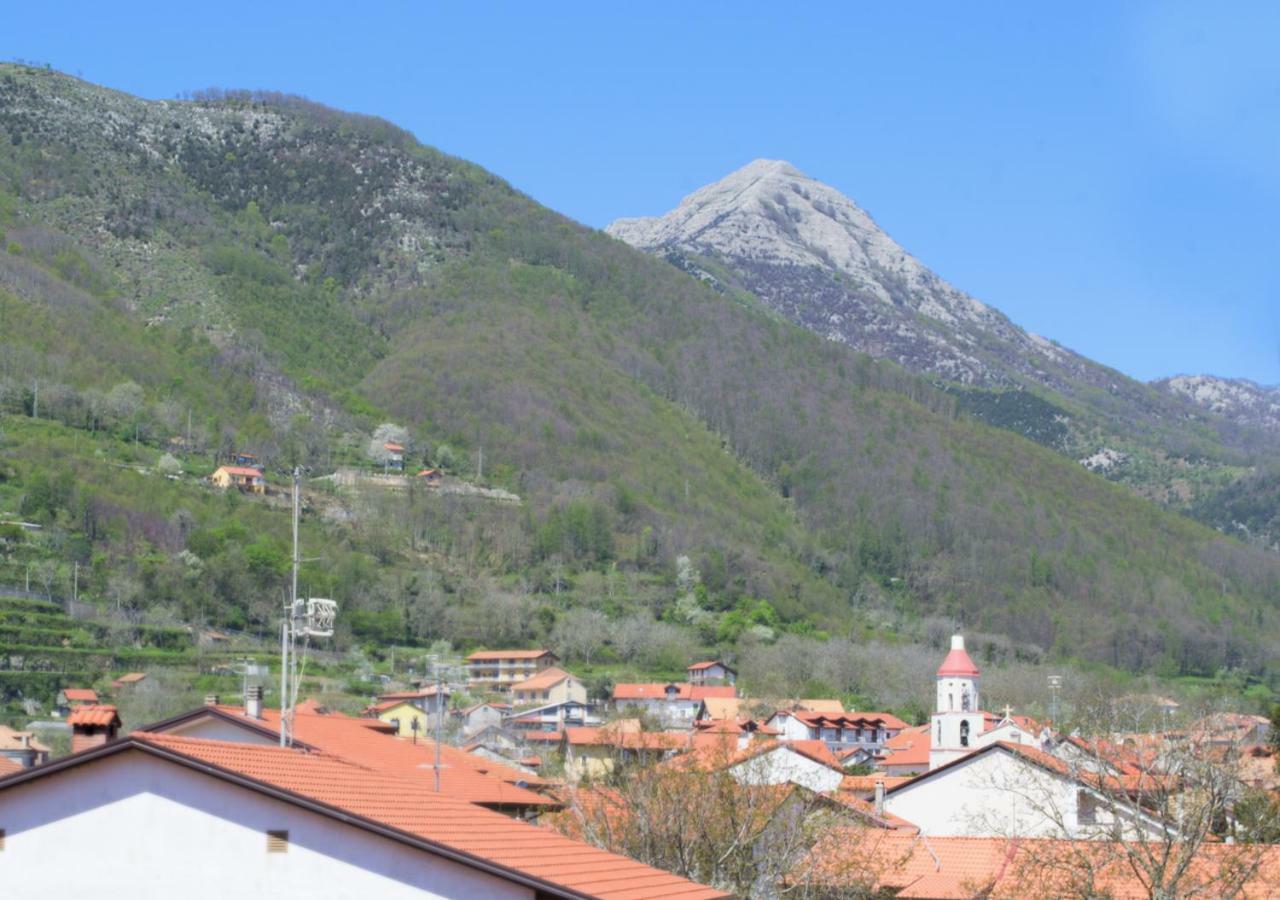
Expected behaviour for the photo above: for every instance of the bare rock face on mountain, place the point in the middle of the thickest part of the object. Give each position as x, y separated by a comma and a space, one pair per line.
818, 258
1237, 399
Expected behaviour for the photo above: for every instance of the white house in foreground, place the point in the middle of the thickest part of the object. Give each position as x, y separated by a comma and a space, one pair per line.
164, 816
1013, 790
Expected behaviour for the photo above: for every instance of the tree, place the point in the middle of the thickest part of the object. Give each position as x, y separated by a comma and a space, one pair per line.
386, 433
701, 819
1160, 805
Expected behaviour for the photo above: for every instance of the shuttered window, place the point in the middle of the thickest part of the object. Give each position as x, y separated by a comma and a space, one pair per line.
277, 842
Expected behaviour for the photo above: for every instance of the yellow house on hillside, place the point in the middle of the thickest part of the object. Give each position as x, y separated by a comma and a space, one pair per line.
553, 685
413, 713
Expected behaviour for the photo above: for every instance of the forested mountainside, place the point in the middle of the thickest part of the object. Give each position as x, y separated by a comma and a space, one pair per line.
817, 258
252, 271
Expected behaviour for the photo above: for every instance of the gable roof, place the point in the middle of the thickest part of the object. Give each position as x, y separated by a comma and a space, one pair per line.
81, 695
494, 655
366, 742
404, 810
711, 664
683, 691
129, 678
94, 717
11, 739
844, 719
910, 747
547, 678
244, 471
422, 692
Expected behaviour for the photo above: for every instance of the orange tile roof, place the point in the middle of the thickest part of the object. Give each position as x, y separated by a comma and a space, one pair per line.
909, 747
846, 719
81, 695
724, 755
408, 807
362, 741
859, 784
684, 691
93, 717
9, 766
611, 735
708, 664
547, 678
493, 655
940, 868
12, 740
244, 471
130, 678
420, 693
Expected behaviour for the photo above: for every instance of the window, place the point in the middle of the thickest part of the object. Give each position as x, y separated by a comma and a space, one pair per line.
964, 733
964, 699
278, 841
1, 839
1086, 809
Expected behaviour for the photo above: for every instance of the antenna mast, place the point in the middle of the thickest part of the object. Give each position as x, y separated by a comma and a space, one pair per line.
314, 618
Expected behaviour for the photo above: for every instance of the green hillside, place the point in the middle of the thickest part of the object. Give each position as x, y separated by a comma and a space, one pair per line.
257, 272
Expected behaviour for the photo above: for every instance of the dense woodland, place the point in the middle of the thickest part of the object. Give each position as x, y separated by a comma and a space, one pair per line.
253, 272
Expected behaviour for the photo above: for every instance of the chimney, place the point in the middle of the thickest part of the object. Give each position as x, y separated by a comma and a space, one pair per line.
879, 796
92, 726
210, 699
253, 701
24, 739
957, 642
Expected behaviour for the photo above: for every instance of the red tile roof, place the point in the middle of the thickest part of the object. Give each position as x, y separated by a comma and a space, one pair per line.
711, 663
494, 655
362, 741
683, 691
94, 717
408, 807
958, 664
9, 766
847, 720
547, 678
914, 866
622, 734
909, 747
243, 471
14, 740
129, 678
81, 695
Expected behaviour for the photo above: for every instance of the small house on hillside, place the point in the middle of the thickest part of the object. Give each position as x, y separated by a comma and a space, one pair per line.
69, 698
500, 669
395, 456
21, 749
129, 678
432, 478
243, 478
551, 685
240, 458
711, 672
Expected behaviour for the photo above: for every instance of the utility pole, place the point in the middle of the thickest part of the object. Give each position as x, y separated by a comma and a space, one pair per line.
1055, 682
75, 583
35, 398
288, 620
480, 464
439, 719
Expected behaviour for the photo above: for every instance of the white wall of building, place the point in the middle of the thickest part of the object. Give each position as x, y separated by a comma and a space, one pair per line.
156, 829
782, 766
998, 794
212, 728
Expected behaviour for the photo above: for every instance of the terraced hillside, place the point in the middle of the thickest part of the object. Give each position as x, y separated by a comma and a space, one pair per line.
249, 270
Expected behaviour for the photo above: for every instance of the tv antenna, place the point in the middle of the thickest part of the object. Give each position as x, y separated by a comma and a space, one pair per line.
313, 617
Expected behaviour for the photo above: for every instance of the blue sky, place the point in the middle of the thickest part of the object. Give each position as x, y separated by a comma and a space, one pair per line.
1107, 174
